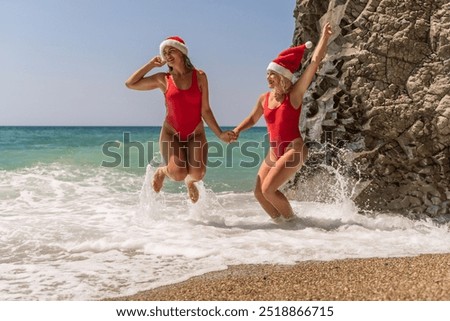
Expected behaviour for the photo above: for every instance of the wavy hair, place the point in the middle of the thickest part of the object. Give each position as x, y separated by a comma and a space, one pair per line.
187, 63
285, 84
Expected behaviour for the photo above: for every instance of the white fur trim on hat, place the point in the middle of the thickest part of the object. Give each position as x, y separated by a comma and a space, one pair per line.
280, 69
308, 44
173, 43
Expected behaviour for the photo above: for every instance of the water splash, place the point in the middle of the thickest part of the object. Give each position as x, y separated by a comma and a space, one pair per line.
168, 206
208, 208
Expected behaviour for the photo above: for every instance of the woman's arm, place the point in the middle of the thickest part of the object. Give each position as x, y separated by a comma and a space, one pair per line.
252, 118
138, 81
207, 113
305, 80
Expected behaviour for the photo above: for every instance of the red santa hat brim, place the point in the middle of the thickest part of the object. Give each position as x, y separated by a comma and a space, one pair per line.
172, 43
273, 66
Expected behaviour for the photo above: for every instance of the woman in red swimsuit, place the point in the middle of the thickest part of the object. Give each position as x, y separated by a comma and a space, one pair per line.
182, 141
281, 108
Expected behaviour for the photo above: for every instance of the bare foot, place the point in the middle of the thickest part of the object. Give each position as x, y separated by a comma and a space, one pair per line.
292, 218
193, 191
158, 179
277, 220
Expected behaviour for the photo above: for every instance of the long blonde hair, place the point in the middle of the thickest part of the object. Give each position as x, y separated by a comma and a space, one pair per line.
285, 84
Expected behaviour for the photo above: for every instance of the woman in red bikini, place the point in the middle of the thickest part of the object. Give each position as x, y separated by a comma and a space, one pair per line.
182, 141
281, 108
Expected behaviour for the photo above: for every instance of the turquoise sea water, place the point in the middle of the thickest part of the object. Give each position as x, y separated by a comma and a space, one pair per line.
127, 149
79, 220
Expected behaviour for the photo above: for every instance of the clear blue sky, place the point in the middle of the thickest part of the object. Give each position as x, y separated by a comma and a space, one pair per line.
65, 62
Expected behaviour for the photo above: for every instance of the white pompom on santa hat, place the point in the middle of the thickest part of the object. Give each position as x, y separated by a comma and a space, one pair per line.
289, 60
175, 42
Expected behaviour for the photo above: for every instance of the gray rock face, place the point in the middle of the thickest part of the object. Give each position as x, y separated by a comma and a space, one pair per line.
379, 108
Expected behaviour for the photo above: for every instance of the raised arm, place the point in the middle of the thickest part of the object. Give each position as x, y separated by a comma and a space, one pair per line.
252, 118
305, 80
207, 113
138, 81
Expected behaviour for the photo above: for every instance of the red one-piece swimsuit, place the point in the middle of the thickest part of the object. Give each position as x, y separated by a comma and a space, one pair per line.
282, 124
183, 107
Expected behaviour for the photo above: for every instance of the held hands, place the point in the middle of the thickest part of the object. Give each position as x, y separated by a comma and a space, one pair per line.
228, 136
236, 133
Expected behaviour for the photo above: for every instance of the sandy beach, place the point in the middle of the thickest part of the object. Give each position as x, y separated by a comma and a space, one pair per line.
424, 277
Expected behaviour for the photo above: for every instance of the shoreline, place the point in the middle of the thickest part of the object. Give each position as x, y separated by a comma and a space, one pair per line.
416, 278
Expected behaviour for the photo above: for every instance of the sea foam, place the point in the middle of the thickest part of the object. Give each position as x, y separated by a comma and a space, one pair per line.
72, 233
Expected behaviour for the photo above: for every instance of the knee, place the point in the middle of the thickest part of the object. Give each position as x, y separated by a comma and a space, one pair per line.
258, 194
267, 192
264, 192
177, 173
197, 174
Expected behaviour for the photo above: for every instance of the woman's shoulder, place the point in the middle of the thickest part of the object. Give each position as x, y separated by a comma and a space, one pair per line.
201, 77
200, 72
263, 97
161, 75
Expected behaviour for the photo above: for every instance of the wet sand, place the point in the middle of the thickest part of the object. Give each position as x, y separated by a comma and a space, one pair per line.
424, 277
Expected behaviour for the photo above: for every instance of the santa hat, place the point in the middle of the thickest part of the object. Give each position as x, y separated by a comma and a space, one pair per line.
175, 42
289, 60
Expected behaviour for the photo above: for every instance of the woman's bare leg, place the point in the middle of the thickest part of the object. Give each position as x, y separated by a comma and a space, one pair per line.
197, 150
285, 167
264, 169
174, 155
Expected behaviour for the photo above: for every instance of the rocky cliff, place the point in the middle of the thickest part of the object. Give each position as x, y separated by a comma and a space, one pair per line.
379, 108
